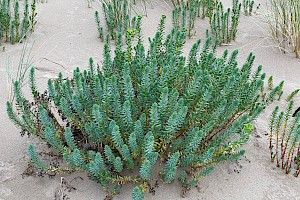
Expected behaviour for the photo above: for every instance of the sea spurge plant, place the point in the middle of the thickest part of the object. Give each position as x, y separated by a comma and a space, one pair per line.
248, 7
117, 17
16, 21
292, 95
206, 8
285, 139
14, 28
224, 23
145, 110
184, 15
26, 20
32, 17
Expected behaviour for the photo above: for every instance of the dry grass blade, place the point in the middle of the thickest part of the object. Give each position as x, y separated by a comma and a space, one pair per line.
284, 24
25, 63
60, 193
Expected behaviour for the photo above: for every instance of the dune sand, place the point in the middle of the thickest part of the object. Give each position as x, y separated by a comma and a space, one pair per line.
66, 36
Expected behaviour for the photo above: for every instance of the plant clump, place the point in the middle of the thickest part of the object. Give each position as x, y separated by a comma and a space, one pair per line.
224, 23
284, 141
12, 27
146, 110
207, 7
184, 15
117, 17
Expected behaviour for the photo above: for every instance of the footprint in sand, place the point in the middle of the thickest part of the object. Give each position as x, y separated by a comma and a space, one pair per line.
7, 172
283, 192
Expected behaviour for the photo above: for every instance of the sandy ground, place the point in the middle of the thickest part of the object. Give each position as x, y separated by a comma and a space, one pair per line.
66, 36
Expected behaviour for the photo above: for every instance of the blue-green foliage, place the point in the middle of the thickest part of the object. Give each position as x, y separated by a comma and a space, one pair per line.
137, 194
53, 140
127, 156
70, 139
127, 119
148, 144
118, 164
98, 169
117, 17
32, 83
34, 157
13, 27
77, 160
284, 139
144, 110
132, 141
109, 155
170, 169
194, 140
117, 138
145, 170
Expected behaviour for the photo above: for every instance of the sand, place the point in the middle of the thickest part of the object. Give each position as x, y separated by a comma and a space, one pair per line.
66, 36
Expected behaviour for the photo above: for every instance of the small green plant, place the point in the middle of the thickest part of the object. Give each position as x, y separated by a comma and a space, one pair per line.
144, 110
236, 10
280, 91
5, 19
12, 32
270, 83
99, 27
292, 95
206, 8
248, 7
184, 16
224, 24
25, 21
33, 16
185, 13
17, 21
284, 142
11, 28
284, 24
117, 15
